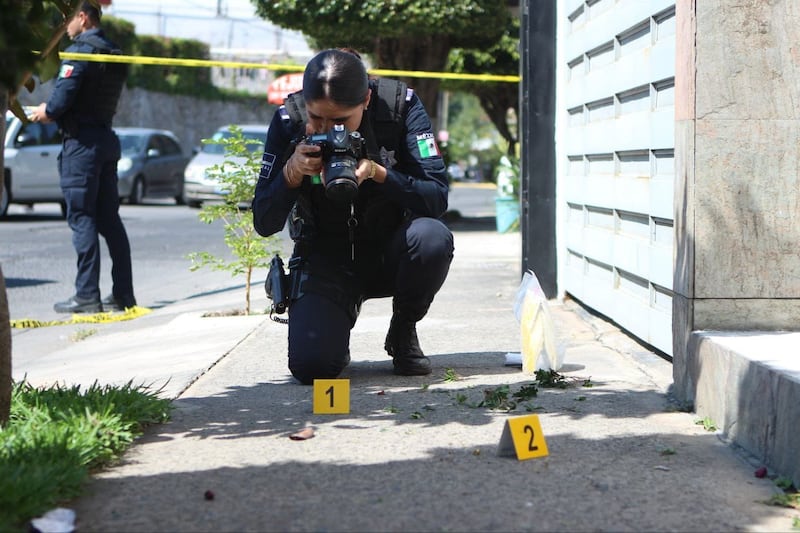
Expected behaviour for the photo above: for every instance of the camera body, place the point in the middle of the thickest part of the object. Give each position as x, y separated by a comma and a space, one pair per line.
341, 150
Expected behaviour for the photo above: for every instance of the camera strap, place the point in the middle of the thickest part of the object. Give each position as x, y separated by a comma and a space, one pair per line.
352, 224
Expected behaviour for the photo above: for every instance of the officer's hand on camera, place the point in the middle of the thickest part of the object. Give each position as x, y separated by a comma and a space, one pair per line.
305, 161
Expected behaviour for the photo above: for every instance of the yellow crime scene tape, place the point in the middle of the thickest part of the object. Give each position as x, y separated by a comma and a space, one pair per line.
168, 61
137, 311
96, 318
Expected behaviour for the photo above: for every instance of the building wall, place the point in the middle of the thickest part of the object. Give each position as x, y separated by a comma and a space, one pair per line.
615, 133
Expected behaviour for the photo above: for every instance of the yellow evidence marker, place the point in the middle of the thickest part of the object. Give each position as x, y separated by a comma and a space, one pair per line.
331, 396
523, 437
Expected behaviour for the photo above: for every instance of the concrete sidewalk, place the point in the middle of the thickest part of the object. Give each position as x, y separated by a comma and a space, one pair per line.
417, 454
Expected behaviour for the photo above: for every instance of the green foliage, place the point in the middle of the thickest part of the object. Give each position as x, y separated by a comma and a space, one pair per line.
122, 33
237, 176
168, 78
707, 423
507, 177
497, 398
500, 101
56, 436
25, 28
468, 126
526, 392
336, 23
785, 499
550, 379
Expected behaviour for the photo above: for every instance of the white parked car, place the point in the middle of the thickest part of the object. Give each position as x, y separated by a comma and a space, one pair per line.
31, 163
197, 185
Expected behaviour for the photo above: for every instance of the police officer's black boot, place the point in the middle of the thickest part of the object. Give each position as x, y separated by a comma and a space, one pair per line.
403, 345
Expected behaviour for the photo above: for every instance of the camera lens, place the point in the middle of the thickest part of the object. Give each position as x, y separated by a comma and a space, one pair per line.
341, 185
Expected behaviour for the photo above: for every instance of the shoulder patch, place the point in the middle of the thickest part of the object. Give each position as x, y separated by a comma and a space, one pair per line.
426, 143
267, 162
284, 113
65, 71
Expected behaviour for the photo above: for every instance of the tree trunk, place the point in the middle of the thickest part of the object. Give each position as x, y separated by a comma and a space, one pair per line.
428, 54
5, 319
497, 101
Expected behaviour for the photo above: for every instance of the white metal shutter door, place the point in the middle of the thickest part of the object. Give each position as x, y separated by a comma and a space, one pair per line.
615, 146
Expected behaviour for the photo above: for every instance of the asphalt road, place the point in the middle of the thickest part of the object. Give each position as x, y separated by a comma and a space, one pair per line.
39, 262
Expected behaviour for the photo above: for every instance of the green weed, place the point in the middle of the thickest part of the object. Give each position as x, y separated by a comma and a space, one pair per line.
450, 375
498, 398
707, 424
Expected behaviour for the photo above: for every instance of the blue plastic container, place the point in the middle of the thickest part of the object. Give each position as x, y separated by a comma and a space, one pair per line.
506, 214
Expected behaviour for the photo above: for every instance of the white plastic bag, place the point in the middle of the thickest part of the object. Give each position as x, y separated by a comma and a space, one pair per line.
537, 331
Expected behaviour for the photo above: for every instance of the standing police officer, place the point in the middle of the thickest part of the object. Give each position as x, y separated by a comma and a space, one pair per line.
83, 104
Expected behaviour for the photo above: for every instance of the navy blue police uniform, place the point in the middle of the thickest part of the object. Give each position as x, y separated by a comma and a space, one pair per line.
83, 104
390, 243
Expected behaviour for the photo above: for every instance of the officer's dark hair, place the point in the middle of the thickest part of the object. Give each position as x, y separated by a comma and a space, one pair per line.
92, 11
338, 75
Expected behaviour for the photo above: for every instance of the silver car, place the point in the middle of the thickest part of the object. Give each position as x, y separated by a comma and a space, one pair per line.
151, 165
198, 187
31, 164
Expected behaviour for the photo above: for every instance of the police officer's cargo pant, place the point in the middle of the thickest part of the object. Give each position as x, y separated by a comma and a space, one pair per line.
411, 268
88, 169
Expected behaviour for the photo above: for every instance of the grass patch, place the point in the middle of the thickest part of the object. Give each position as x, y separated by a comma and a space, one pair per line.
56, 436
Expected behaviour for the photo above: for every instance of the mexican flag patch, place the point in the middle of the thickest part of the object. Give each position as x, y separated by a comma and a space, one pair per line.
427, 146
66, 71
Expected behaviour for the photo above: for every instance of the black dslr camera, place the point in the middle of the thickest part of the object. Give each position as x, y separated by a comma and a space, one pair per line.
341, 150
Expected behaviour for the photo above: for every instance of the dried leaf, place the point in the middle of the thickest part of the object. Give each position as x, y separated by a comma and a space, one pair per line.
303, 434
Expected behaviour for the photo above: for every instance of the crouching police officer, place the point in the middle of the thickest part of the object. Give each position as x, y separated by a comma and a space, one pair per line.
376, 236
83, 104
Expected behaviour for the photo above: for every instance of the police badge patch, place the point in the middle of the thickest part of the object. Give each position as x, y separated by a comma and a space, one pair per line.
387, 157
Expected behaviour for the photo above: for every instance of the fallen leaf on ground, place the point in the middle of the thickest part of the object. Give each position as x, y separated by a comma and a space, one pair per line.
303, 434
